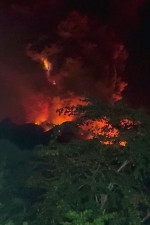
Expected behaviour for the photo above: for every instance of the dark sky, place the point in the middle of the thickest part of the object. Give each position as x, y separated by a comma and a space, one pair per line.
138, 66
99, 28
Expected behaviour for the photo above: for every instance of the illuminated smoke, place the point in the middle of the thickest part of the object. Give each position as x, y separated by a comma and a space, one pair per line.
83, 56
87, 60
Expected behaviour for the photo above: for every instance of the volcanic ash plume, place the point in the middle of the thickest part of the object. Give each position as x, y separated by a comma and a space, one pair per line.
88, 60
76, 55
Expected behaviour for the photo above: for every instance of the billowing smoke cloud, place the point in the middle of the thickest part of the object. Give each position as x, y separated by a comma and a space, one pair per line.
88, 59
86, 55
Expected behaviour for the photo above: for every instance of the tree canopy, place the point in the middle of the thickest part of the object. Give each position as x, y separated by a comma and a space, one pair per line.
83, 182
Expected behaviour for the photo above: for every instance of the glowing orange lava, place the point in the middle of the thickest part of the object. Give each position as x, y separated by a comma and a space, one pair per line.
122, 143
99, 127
48, 115
47, 64
128, 123
91, 129
48, 67
45, 113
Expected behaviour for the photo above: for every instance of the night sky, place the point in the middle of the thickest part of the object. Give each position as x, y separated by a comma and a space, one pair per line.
95, 47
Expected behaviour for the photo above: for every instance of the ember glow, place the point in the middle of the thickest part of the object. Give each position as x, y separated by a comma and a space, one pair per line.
44, 110
92, 129
79, 52
99, 127
54, 111
58, 103
102, 127
126, 123
36, 109
82, 65
123, 143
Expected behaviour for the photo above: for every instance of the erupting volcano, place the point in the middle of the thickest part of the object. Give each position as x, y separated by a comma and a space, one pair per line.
78, 65
52, 113
74, 112
79, 56
88, 70
49, 114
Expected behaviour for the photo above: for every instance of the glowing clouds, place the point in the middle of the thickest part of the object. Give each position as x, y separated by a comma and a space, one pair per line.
87, 61
36, 108
40, 109
56, 103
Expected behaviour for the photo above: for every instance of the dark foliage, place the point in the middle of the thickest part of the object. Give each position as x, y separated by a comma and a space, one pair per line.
80, 182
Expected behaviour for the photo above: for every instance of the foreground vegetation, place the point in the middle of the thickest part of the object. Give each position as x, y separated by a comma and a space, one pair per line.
83, 182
